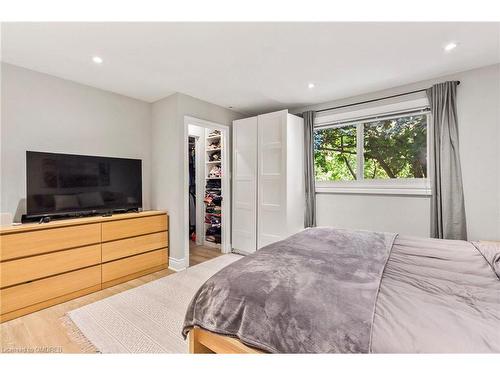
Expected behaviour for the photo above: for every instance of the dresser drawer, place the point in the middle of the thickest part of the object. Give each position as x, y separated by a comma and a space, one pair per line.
118, 229
134, 245
32, 268
31, 293
16, 245
123, 267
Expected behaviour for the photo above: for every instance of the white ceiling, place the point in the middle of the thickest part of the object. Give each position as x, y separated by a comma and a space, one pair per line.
252, 67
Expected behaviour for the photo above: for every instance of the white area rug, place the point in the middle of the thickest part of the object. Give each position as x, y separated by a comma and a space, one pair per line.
149, 318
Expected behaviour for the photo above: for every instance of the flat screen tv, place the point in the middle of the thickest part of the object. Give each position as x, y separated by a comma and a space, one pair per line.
71, 185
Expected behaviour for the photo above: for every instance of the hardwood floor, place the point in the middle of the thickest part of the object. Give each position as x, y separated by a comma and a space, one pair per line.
44, 331
199, 254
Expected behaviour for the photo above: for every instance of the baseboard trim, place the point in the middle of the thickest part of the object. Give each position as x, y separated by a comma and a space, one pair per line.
176, 265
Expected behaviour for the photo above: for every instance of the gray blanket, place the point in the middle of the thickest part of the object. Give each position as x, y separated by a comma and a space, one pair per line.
313, 292
335, 291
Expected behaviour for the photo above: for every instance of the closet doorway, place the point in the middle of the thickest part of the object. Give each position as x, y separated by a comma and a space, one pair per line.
206, 190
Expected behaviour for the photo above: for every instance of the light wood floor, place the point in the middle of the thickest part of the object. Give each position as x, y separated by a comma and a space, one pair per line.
43, 331
199, 254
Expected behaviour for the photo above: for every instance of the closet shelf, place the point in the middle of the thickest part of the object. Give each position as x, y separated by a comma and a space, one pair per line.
213, 186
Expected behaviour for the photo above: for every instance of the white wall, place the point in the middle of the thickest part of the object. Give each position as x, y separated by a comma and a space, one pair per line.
387, 213
168, 158
44, 113
479, 130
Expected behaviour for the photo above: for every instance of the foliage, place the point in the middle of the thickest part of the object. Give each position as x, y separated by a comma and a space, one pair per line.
395, 148
335, 154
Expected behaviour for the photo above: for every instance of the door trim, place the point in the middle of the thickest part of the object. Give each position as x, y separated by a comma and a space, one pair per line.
226, 183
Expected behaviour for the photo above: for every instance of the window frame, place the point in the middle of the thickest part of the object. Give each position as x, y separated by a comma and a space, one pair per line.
399, 186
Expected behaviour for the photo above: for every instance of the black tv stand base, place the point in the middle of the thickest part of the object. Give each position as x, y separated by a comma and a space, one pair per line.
48, 218
45, 219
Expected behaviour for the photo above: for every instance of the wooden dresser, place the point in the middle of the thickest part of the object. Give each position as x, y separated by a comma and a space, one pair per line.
45, 264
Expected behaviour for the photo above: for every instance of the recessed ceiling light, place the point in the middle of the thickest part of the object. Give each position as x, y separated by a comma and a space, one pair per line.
450, 46
310, 85
97, 59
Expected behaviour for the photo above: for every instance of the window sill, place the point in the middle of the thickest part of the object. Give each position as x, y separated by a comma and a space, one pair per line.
376, 190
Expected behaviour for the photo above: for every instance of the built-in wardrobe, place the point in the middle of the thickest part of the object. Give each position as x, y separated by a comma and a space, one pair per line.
268, 179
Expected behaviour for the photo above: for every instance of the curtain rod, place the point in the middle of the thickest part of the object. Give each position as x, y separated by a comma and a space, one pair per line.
374, 100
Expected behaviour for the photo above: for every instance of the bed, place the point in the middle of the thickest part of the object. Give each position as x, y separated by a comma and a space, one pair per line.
327, 290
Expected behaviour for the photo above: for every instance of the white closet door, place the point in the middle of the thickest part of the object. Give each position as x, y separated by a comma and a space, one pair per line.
272, 178
245, 185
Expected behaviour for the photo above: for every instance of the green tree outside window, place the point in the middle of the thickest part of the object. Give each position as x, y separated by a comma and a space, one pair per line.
393, 148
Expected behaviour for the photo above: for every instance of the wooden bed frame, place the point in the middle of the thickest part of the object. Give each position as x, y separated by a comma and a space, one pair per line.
205, 342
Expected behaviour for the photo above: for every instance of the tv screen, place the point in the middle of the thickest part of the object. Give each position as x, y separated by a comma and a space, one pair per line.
59, 184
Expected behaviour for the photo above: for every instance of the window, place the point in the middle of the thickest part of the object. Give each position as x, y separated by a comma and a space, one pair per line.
378, 153
335, 152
